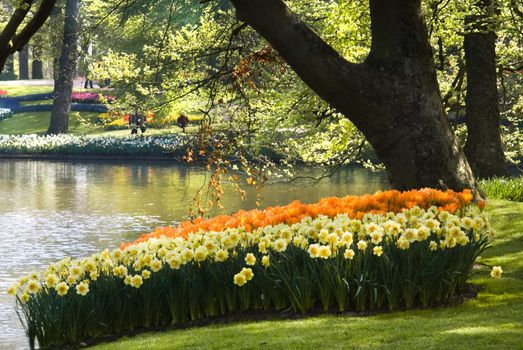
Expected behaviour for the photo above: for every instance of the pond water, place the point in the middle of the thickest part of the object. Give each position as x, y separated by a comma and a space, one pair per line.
49, 210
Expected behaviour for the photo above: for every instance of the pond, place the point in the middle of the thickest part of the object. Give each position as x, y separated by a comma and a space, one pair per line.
49, 210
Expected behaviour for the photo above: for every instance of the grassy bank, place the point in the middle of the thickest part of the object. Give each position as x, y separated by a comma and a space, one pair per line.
492, 321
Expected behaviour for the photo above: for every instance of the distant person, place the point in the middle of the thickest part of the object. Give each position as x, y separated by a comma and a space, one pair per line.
182, 121
88, 82
137, 121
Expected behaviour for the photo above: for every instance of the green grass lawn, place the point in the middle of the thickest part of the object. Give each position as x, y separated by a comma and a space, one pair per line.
38, 122
492, 321
20, 90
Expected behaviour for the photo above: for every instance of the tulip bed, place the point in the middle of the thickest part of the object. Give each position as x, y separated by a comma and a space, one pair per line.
390, 250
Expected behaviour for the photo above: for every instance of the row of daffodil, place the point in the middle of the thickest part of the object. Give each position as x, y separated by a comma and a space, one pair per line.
88, 145
416, 256
322, 238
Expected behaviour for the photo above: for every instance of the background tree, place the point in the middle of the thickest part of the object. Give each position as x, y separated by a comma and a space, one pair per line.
23, 63
484, 148
67, 66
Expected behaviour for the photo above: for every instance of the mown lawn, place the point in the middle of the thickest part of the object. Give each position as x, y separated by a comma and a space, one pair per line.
38, 122
20, 90
492, 321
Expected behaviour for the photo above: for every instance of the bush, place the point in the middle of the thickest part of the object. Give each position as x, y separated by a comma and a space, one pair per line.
503, 188
387, 260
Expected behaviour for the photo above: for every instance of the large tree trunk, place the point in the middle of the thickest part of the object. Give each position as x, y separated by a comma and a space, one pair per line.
64, 84
393, 97
23, 63
484, 148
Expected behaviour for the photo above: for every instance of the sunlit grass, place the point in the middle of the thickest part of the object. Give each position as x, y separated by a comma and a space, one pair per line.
38, 122
20, 90
504, 188
492, 321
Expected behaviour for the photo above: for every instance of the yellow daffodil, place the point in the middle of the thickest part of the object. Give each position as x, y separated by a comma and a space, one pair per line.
221, 255
280, 245
240, 279
200, 254
82, 288
496, 272
146, 274
325, 252
349, 254
362, 245
250, 259
33, 287
314, 250
51, 280
247, 272
136, 281
378, 250
62, 288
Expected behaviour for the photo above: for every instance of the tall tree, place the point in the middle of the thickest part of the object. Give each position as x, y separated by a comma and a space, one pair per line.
37, 66
67, 65
484, 148
15, 34
393, 97
23, 63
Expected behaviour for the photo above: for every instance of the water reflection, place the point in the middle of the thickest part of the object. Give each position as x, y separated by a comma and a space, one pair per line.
49, 210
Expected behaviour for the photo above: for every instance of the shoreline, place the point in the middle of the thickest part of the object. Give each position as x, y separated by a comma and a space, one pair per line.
66, 157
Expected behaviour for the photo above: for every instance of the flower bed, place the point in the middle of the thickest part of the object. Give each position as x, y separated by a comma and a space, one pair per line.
353, 253
5, 113
91, 97
172, 145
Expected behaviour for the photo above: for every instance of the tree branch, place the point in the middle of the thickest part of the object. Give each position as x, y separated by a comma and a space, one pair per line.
10, 42
315, 62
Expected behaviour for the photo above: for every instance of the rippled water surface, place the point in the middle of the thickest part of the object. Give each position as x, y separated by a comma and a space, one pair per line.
49, 210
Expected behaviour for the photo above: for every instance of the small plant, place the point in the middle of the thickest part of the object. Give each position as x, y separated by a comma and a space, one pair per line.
503, 188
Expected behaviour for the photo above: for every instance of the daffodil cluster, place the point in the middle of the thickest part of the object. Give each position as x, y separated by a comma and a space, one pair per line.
392, 259
321, 238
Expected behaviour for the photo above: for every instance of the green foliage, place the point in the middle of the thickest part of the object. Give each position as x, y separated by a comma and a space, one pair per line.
503, 188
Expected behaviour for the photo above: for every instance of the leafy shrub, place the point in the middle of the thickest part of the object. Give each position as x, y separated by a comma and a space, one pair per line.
503, 188
383, 260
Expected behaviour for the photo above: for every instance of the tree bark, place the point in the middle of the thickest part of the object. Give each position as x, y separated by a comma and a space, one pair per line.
23, 63
393, 97
484, 147
37, 71
67, 63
